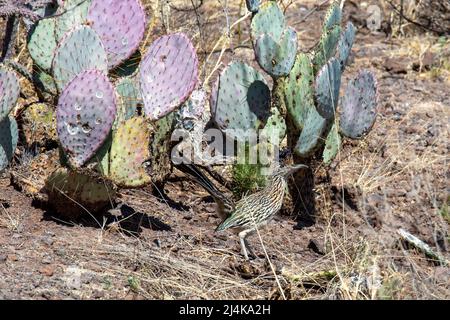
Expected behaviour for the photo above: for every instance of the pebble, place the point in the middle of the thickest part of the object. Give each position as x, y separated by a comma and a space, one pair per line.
47, 270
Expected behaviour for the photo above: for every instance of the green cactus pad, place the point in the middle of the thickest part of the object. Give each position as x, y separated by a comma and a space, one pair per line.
275, 129
345, 44
332, 145
326, 49
311, 136
71, 193
129, 151
298, 90
9, 91
333, 17
45, 82
359, 105
79, 50
327, 86
269, 20
242, 102
42, 43
9, 136
74, 13
130, 100
277, 55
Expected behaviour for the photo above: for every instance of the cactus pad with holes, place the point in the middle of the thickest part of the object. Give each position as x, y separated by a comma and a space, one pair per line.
85, 115
277, 56
168, 74
129, 150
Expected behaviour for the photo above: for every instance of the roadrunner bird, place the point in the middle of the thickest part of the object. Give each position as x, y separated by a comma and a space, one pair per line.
251, 212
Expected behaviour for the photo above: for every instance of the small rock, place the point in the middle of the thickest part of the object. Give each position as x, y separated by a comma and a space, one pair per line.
48, 241
395, 66
12, 257
2, 258
47, 271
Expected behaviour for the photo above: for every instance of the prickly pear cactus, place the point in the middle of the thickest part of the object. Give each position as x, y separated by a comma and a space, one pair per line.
333, 16
242, 100
269, 20
121, 26
160, 146
9, 91
9, 136
85, 115
73, 13
326, 49
298, 93
45, 82
81, 49
277, 56
168, 74
42, 43
345, 44
275, 45
128, 153
331, 34
312, 134
359, 105
332, 145
74, 194
130, 100
327, 86
275, 129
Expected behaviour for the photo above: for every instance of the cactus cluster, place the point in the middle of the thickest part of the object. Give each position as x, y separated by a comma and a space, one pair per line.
110, 128
117, 106
305, 95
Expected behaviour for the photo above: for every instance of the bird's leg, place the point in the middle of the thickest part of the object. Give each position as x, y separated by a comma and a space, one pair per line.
249, 248
243, 247
244, 244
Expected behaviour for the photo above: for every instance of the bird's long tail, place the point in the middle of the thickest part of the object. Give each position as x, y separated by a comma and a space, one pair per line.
225, 204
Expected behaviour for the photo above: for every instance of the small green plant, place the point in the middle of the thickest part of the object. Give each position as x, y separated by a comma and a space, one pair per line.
247, 177
134, 283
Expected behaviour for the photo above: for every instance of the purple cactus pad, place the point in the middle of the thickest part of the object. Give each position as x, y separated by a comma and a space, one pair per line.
121, 26
168, 74
85, 114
